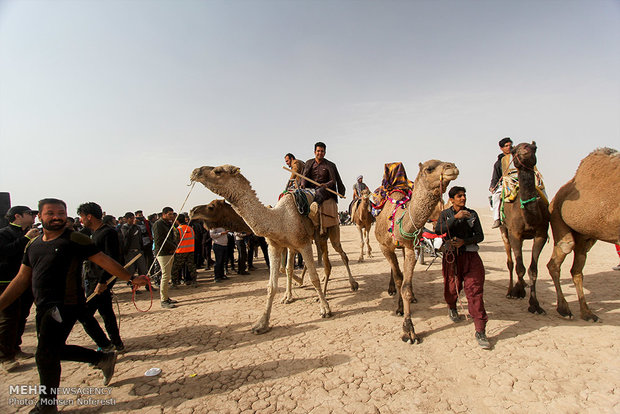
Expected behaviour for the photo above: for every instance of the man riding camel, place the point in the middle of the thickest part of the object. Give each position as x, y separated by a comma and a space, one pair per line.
503, 166
325, 173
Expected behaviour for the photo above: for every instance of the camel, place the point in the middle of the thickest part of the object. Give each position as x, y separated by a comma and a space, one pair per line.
218, 213
363, 219
431, 182
526, 219
584, 210
282, 226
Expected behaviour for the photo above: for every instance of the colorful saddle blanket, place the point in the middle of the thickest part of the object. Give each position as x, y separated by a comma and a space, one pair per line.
394, 179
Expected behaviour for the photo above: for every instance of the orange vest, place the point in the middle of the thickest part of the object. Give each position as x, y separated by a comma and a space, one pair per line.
187, 239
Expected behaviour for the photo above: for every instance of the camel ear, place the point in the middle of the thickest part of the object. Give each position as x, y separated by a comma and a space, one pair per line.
231, 169
534, 145
421, 166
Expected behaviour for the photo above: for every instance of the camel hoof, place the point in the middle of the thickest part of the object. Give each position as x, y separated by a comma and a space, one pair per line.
591, 317
413, 300
259, 330
360, 260
391, 292
354, 286
399, 312
286, 300
566, 313
536, 309
326, 314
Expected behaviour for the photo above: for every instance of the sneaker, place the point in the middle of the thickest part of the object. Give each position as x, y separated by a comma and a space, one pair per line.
106, 365
481, 337
43, 409
167, 304
616, 267
106, 349
10, 365
170, 300
313, 214
496, 224
454, 315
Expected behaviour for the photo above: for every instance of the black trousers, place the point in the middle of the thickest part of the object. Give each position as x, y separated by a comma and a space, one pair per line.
220, 259
255, 242
242, 258
52, 347
103, 304
12, 324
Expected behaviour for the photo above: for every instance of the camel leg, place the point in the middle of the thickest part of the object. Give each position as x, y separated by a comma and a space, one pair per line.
564, 243
275, 256
392, 285
290, 262
509, 262
396, 279
582, 247
284, 261
319, 250
306, 253
517, 249
367, 230
334, 238
539, 243
327, 265
361, 232
406, 291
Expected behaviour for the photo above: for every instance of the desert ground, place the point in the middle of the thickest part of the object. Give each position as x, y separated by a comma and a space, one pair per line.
355, 361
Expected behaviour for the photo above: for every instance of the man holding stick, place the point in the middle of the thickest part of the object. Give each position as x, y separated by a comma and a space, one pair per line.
52, 265
321, 174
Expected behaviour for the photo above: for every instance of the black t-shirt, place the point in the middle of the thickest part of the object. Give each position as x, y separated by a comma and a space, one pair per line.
106, 238
56, 268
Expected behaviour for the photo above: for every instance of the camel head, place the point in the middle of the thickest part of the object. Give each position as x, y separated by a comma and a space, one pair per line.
225, 180
524, 155
435, 175
218, 213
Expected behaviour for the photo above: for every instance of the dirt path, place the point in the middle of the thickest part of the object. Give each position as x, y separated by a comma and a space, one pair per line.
355, 362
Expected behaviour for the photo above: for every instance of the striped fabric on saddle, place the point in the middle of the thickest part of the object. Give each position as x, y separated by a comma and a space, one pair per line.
394, 179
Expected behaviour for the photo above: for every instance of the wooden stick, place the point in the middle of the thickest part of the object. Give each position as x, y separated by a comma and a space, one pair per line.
132, 261
313, 182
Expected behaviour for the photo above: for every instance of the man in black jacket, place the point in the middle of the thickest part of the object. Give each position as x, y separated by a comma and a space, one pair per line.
166, 241
326, 174
501, 167
106, 238
13, 240
461, 265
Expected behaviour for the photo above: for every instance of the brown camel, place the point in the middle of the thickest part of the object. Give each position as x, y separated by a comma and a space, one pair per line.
218, 213
585, 210
409, 220
525, 218
363, 219
282, 226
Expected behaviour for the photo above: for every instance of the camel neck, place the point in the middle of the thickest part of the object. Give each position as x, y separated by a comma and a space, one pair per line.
420, 207
254, 213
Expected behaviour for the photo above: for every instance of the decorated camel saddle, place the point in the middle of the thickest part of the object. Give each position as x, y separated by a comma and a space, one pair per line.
394, 182
510, 186
328, 210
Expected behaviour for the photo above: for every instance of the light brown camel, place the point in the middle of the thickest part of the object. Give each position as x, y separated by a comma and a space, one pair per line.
282, 226
429, 185
525, 218
585, 210
218, 213
363, 219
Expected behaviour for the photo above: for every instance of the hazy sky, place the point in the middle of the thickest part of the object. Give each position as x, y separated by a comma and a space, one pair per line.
117, 101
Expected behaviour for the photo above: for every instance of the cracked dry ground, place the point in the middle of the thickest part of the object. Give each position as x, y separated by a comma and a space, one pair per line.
355, 361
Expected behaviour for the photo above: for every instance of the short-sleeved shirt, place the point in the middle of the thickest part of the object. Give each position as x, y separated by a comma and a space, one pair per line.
56, 268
